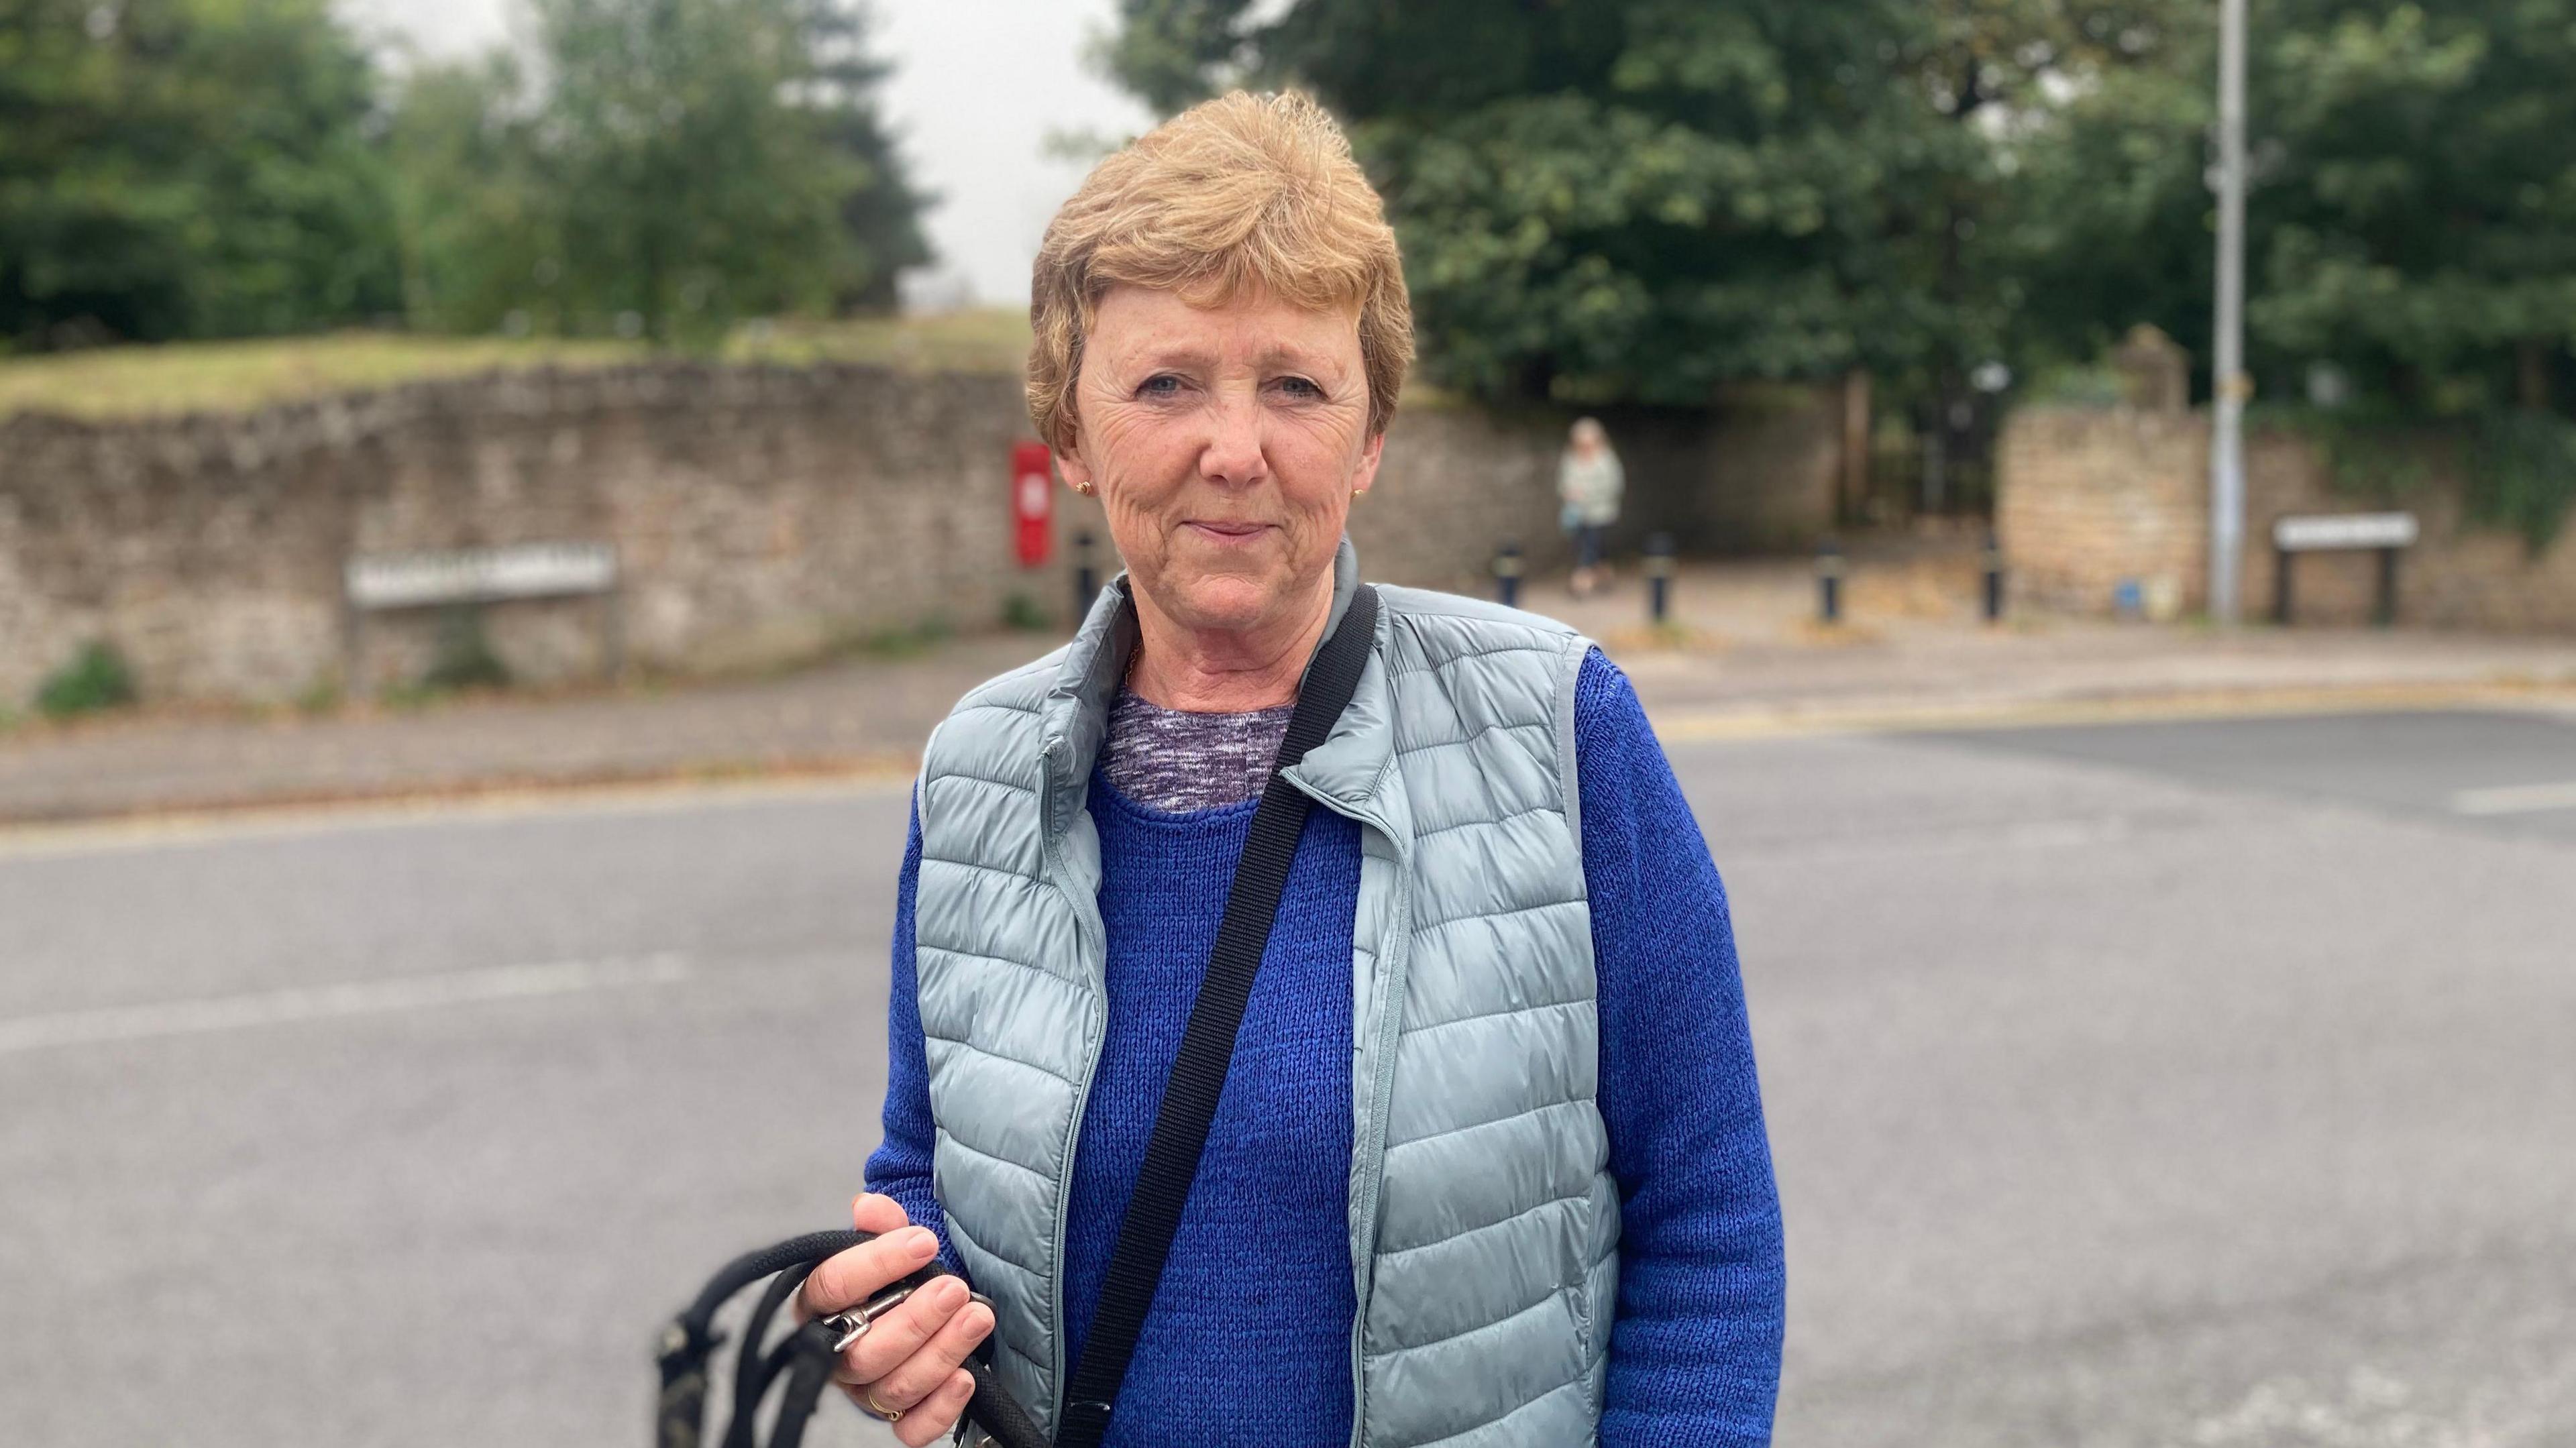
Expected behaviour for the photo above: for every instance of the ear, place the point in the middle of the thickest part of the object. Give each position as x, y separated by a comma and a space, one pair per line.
1364, 476
1077, 473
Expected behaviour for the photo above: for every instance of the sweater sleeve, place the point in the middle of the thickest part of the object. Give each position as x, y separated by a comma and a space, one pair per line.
900, 1166
1695, 1348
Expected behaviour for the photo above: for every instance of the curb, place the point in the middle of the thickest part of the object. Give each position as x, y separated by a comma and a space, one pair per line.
73, 827
70, 827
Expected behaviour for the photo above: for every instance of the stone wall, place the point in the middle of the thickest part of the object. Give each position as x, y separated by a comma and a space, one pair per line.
1776, 462
761, 516
2089, 497
2086, 498
2461, 575
1454, 485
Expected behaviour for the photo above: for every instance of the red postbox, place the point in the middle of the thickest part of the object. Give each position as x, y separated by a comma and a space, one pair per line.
1032, 502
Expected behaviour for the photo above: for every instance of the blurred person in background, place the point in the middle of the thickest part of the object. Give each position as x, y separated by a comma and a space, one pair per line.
1489, 1161
1588, 484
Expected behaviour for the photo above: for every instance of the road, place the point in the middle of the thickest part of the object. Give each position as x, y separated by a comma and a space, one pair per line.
2202, 1084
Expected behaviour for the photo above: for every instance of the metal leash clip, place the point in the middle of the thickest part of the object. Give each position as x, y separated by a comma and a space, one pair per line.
795, 1373
850, 1324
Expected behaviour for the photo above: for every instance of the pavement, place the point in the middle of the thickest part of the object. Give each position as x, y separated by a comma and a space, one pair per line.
1742, 656
2180, 1082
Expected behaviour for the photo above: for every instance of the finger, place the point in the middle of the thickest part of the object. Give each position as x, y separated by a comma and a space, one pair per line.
873, 1212
846, 1279
869, 1212
916, 1377
936, 1415
901, 1333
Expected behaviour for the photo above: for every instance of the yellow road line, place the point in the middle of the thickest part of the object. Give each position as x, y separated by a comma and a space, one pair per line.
699, 786
257, 820
1898, 718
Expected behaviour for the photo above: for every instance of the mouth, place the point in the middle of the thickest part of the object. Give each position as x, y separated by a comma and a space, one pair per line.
1225, 533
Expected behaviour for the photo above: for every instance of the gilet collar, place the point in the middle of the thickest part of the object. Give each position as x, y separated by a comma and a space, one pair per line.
1346, 768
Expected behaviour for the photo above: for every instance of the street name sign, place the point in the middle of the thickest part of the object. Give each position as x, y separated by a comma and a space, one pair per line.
2386, 533
2344, 530
480, 575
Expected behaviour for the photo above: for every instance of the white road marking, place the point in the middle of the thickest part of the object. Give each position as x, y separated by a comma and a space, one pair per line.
2515, 799
111, 1024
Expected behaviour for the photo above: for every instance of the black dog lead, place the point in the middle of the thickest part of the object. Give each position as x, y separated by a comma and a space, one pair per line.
803, 1359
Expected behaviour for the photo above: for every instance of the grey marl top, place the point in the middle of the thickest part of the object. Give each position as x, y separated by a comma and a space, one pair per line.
1172, 759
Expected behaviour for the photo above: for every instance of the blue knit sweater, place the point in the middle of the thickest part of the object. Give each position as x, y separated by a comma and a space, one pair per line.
1248, 1341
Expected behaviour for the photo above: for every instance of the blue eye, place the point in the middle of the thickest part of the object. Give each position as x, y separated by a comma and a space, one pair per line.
1300, 387
1161, 384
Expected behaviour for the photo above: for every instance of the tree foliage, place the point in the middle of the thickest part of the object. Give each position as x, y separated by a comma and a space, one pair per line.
2411, 223
208, 168
1638, 199
175, 168
2420, 205
682, 164
2411, 228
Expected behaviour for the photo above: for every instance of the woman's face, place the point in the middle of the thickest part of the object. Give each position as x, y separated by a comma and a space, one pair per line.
1225, 444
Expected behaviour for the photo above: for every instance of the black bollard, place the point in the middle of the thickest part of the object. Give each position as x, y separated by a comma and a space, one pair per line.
1086, 577
1829, 583
1994, 561
1659, 577
1507, 575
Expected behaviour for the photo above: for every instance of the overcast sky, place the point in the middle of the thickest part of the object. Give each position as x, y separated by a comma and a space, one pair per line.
977, 86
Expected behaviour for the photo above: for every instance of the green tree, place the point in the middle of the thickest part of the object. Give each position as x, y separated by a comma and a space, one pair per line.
2111, 220
480, 235
683, 164
883, 210
2411, 226
177, 168
2421, 198
1638, 199
2412, 218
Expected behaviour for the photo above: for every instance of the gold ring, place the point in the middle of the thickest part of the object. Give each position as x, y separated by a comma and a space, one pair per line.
868, 1400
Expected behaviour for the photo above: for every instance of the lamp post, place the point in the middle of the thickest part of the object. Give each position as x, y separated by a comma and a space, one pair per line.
2228, 385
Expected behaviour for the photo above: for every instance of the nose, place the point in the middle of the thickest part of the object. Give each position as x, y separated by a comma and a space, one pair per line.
1233, 457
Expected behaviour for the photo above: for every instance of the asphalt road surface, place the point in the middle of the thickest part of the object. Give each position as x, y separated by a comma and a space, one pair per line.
2206, 1084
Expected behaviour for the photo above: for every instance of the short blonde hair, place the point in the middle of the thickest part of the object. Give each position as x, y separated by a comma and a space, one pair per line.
1241, 192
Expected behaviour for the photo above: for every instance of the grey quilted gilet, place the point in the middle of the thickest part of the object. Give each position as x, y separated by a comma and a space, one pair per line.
1483, 1220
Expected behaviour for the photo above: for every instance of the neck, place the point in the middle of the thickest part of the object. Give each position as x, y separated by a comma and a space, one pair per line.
1226, 671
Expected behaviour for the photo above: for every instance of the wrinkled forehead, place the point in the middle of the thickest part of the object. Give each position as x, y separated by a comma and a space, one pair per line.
1254, 268
1248, 322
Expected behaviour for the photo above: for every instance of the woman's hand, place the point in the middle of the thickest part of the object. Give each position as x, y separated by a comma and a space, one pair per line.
908, 1366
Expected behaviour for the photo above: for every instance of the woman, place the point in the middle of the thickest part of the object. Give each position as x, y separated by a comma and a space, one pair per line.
1488, 1166
1588, 484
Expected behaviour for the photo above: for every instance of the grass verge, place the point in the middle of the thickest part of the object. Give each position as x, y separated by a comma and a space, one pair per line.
108, 383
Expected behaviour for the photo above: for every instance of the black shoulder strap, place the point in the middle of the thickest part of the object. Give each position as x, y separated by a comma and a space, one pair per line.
1207, 1043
